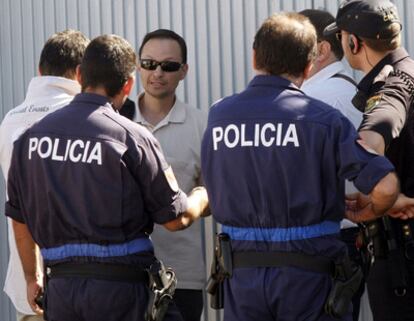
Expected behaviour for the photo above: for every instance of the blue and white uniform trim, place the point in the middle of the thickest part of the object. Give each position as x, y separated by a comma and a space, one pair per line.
281, 234
95, 250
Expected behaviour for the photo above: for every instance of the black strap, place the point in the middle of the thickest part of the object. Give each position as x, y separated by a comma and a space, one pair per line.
345, 77
100, 271
280, 259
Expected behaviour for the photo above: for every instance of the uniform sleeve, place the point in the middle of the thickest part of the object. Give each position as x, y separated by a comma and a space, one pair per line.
386, 110
162, 197
354, 162
13, 207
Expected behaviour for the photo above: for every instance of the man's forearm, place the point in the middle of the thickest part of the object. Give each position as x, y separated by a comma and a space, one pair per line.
197, 207
384, 194
28, 251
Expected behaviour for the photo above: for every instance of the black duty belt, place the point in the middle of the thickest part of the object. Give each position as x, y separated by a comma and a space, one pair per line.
101, 271
283, 259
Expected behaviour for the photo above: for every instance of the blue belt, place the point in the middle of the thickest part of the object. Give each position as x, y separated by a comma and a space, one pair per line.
281, 234
95, 250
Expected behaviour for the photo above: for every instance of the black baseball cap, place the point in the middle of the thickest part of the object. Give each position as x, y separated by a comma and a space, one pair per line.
365, 18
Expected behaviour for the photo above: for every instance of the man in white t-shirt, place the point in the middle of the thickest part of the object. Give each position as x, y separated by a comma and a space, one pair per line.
330, 83
179, 129
54, 88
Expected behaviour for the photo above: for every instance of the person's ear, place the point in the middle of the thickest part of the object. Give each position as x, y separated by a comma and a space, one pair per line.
254, 60
184, 70
78, 75
307, 71
324, 50
129, 84
354, 44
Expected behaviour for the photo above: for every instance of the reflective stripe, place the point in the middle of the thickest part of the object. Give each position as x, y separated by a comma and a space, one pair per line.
281, 234
71, 250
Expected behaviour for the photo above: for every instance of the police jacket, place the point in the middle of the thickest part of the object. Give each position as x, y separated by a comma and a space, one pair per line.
90, 184
274, 163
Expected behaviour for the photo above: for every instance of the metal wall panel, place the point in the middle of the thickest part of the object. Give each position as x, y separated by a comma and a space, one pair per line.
219, 34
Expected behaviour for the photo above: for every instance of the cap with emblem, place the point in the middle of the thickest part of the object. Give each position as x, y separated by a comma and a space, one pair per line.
365, 18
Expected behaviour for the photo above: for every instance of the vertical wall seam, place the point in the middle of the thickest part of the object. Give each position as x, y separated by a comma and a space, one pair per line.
196, 52
158, 14
209, 80
23, 81
35, 61
147, 14
89, 17
245, 43
2, 46
13, 74
220, 40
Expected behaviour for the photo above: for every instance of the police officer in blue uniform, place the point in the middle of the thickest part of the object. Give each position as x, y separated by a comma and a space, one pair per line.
274, 163
88, 185
371, 38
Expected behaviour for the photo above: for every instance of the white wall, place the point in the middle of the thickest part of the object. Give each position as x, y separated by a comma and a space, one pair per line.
219, 34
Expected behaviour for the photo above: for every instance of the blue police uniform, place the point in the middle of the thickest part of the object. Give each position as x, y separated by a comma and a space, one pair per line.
274, 163
90, 184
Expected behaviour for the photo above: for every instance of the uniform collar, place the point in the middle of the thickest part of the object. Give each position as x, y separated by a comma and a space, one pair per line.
50, 86
390, 59
272, 81
92, 100
177, 114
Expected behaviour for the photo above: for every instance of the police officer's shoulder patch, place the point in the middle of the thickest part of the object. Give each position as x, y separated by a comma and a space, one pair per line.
383, 74
372, 102
172, 181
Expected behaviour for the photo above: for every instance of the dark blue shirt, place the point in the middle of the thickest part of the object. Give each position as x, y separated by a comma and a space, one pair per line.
89, 183
274, 163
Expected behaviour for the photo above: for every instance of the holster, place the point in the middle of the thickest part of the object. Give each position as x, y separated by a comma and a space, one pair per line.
395, 256
346, 282
221, 268
392, 241
41, 299
369, 244
162, 286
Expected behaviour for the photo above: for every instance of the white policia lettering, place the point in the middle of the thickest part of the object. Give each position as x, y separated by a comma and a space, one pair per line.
266, 135
75, 151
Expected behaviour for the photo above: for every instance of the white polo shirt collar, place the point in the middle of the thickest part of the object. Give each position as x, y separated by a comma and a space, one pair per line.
177, 114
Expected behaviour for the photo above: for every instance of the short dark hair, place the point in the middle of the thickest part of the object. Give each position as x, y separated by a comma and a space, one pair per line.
320, 19
165, 34
108, 62
285, 44
62, 53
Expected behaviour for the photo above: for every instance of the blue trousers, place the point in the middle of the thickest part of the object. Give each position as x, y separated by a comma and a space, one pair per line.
80, 299
277, 294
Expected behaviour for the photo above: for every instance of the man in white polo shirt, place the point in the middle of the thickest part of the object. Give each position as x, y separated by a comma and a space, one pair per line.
54, 88
330, 83
179, 129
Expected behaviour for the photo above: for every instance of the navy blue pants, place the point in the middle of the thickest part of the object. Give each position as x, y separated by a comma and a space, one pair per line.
79, 299
189, 303
348, 236
277, 294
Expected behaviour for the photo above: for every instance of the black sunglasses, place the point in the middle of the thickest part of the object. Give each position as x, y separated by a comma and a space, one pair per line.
168, 66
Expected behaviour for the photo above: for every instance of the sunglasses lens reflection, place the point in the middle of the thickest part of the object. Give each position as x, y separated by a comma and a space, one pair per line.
168, 66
